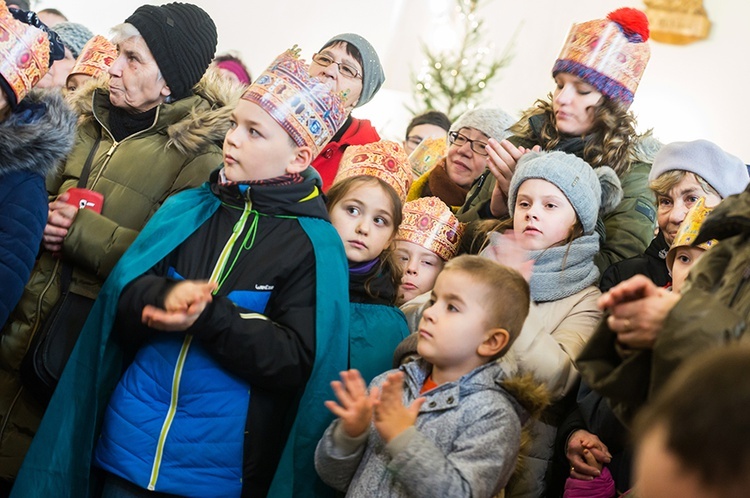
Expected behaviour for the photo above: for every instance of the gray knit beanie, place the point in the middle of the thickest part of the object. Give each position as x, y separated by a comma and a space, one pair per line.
372, 72
590, 191
726, 173
73, 35
492, 121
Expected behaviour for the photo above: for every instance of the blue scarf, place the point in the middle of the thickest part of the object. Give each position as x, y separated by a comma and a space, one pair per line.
562, 271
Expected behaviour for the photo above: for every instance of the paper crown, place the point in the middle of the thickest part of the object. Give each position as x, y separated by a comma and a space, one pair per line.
384, 159
96, 57
304, 106
689, 229
429, 223
610, 54
24, 53
426, 155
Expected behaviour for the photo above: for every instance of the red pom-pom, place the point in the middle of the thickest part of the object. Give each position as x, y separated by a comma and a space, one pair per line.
632, 21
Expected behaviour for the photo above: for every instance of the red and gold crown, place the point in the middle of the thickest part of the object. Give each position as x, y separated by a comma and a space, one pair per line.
24, 53
610, 54
304, 106
96, 57
689, 229
429, 223
384, 159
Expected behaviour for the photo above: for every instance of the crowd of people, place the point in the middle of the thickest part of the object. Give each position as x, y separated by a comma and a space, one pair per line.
215, 285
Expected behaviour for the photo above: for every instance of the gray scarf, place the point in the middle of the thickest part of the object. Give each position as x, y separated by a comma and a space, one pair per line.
550, 280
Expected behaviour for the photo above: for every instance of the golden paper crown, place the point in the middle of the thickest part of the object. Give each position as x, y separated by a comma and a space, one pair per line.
610, 54
24, 53
304, 106
426, 155
429, 223
96, 57
689, 229
384, 159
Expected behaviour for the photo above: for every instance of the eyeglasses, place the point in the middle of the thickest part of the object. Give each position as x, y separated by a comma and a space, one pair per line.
345, 69
458, 140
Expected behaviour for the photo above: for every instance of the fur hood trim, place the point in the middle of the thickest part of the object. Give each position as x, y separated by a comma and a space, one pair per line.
645, 148
37, 143
202, 126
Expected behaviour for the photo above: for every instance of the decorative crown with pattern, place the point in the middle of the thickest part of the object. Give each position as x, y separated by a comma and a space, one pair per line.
384, 159
24, 53
303, 105
427, 154
96, 57
689, 229
609, 54
429, 223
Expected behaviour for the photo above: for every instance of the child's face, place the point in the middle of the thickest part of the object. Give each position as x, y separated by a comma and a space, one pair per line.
256, 147
421, 267
672, 208
543, 215
76, 81
463, 164
684, 258
574, 102
364, 220
455, 324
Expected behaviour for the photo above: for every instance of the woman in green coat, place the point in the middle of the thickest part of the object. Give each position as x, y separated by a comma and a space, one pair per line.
586, 115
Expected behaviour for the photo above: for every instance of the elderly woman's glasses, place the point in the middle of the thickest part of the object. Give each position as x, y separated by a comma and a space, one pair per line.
458, 140
346, 69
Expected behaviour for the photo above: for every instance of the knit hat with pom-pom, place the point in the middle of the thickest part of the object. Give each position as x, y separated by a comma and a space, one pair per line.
591, 191
609, 54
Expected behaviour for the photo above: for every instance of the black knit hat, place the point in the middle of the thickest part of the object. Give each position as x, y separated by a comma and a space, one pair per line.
182, 38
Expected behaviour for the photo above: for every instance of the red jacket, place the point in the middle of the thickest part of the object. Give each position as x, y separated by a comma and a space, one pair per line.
354, 132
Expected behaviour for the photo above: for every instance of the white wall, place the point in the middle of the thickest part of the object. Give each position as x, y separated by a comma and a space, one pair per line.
687, 92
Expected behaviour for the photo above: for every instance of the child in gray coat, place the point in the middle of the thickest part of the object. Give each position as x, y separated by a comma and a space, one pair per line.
443, 425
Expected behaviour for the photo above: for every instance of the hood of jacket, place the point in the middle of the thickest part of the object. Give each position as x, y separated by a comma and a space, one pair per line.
645, 148
37, 135
192, 123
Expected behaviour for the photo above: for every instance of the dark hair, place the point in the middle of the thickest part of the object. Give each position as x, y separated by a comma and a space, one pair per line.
612, 135
351, 50
234, 58
387, 259
436, 118
703, 410
507, 298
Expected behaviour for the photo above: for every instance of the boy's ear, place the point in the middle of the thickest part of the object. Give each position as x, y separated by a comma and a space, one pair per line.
303, 157
494, 342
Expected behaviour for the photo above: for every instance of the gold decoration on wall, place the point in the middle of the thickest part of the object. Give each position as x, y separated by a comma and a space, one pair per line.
677, 21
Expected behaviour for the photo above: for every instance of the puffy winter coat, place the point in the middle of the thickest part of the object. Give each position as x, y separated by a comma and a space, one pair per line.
135, 176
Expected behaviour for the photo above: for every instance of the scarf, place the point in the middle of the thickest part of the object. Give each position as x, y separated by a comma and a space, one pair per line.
569, 144
551, 281
440, 185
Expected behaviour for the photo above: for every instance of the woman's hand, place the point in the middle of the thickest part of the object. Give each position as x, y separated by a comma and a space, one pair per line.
586, 455
501, 161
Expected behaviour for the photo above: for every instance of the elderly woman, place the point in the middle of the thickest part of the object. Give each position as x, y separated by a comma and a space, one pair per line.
587, 115
349, 64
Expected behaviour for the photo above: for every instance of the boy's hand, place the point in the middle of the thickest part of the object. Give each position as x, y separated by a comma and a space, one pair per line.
391, 416
183, 305
355, 405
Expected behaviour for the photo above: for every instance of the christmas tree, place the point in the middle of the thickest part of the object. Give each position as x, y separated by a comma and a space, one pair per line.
452, 80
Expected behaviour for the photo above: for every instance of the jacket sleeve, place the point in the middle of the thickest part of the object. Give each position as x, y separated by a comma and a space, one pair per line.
272, 351
337, 457
629, 229
477, 205
480, 463
550, 356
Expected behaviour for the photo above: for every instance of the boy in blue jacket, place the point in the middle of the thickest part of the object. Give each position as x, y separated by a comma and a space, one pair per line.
220, 305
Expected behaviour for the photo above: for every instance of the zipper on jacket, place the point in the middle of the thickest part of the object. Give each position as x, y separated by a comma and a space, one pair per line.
237, 230
170, 412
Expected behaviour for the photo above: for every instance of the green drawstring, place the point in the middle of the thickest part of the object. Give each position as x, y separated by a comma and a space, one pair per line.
251, 232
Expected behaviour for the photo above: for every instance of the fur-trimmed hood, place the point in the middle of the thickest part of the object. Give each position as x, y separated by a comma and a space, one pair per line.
645, 147
205, 123
37, 135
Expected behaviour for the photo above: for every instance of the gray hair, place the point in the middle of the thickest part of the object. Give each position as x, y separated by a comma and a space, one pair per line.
125, 30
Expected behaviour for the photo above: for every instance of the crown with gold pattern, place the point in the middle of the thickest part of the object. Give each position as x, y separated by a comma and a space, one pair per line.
24, 53
429, 223
304, 106
609, 54
384, 159
689, 229
96, 57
